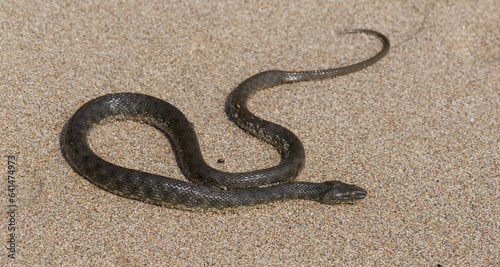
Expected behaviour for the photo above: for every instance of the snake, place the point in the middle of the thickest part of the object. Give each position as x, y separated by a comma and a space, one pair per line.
207, 187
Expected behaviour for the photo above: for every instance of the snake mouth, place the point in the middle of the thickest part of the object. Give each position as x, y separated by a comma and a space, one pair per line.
352, 196
358, 194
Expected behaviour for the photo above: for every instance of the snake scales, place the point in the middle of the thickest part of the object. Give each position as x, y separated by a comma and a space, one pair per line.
210, 188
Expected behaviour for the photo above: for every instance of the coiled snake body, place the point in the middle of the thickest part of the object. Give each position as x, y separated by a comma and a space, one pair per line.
210, 188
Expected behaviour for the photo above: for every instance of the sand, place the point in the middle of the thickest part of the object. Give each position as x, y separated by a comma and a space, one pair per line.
419, 130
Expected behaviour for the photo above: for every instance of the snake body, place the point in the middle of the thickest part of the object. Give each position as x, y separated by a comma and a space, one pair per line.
209, 188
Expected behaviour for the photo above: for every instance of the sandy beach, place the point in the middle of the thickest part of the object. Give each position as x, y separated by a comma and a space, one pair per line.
419, 130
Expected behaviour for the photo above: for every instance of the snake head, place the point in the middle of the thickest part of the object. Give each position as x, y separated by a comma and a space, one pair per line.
338, 192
